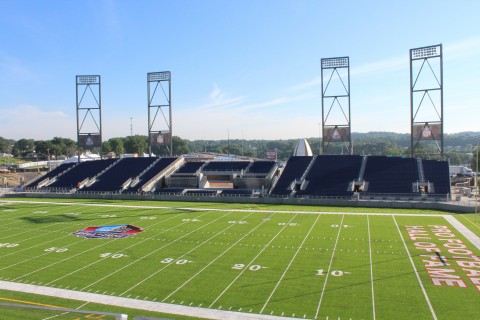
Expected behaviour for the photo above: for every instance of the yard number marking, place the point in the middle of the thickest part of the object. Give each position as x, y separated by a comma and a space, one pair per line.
344, 226
55, 249
148, 218
237, 222
335, 273
290, 224
108, 216
253, 267
8, 245
172, 260
190, 220
113, 256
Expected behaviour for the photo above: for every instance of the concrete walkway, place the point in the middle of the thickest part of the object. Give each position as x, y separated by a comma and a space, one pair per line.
134, 303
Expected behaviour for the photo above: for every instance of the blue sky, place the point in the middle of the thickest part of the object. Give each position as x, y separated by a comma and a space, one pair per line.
250, 68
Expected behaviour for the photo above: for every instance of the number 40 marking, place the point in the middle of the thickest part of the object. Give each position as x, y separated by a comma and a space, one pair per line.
335, 273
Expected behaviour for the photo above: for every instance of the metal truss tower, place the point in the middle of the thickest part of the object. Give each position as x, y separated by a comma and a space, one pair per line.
426, 99
336, 125
159, 130
89, 112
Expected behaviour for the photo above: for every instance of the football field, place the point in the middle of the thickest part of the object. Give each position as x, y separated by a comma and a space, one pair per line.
254, 260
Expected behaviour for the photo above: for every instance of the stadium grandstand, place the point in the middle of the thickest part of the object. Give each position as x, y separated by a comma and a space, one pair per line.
301, 177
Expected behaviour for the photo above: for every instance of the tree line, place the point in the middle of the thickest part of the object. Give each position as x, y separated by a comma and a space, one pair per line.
457, 147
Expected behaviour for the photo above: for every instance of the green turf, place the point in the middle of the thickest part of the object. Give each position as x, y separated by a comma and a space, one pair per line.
292, 264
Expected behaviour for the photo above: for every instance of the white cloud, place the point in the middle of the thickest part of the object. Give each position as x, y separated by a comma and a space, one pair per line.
27, 121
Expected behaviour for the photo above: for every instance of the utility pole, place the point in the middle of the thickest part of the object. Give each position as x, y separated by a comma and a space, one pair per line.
131, 126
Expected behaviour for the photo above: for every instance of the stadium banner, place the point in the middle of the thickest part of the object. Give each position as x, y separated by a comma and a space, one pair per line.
336, 134
160, 138
427, 131
89, 141
272, 155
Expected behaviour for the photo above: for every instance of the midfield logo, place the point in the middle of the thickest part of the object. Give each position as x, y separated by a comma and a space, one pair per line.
108, 232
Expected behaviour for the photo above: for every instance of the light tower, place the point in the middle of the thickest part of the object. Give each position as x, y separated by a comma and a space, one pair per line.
336, 125
89, 112
159, 130
426, 99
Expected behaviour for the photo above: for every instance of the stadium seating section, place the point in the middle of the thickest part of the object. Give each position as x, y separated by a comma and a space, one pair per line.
261, 167
293, 170
331, 175
145, 177
438, 173
390, 175
302, 176
82, 171
114, 178
226, 166
190, 167
57, 171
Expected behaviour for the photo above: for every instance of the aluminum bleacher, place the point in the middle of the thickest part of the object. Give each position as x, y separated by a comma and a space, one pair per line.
390, 175
437, 172
113, 179
330, 175
294, 169
79, 173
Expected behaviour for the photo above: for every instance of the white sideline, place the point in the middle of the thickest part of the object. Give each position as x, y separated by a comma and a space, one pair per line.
134, 303
467, 233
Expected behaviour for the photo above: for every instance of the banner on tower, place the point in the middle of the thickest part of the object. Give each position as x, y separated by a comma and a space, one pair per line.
427, 131
336, 134
90, 140
160, 138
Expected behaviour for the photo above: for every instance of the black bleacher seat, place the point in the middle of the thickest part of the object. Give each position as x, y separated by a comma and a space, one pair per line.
261, 167
438, 173
169, 191
226, 165
390, 174
113, 179
236, 192
58, 170
294, 169
86, 169
330, 175
200, 192
190, 167
150, 173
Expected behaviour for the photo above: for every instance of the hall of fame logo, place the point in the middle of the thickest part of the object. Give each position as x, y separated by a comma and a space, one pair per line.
116, 231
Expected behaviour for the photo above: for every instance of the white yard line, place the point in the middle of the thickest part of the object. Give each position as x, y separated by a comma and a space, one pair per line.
371, 267
250, 263
230, 209
288, 267
134, 303
218, 257
329, 267
467, 233
117, 252
416, 272
152, 252
180, 257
